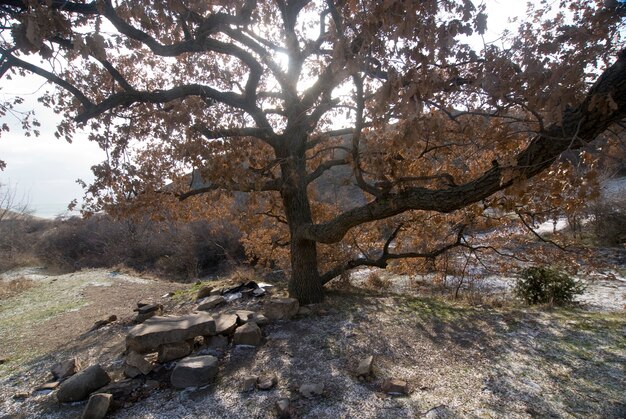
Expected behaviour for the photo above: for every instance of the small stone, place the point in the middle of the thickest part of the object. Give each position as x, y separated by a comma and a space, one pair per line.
249, 383
281, 308
146, 311
304, 311
65, 368
283, 409
194, 371
217, 342
135, 360
395, 387
248, 334
204, 292
311, 389
259, 292
225, 324
97, 406
365, 367
267, 382
20, 396
211, 302
260, 320
171, 351
83, 383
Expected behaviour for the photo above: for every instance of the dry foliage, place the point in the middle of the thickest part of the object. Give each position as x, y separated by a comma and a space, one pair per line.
9, 288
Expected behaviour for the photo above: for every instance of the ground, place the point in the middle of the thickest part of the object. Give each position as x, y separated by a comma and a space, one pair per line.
459, 359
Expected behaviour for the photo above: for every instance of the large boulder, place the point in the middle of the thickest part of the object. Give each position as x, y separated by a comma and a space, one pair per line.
80, 385
194, 371
159, 330
248, 334
281, 308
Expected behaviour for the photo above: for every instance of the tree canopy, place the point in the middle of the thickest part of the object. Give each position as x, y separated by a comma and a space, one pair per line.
362, 131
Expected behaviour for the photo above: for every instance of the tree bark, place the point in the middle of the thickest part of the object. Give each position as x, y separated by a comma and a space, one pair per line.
305, 283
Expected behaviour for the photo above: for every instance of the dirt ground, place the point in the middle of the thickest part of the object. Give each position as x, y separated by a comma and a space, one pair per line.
459, 359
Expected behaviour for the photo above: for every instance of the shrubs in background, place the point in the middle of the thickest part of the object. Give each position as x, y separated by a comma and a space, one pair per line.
547, 285
174, 249
609, 223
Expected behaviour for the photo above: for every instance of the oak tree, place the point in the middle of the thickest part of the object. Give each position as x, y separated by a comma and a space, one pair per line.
362, 132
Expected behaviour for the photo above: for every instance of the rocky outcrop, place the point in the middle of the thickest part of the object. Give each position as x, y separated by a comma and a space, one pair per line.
158, 331
82, 384
194, 371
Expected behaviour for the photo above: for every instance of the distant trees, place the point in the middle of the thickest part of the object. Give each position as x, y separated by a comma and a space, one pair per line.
270, 98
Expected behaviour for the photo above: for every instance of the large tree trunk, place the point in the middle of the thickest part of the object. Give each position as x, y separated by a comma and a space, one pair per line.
305, 283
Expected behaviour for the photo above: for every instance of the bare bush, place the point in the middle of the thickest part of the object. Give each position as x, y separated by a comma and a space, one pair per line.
175, 249
609, 223
376, 282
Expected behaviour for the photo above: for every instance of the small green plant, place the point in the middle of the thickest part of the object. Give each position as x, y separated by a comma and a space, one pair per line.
541, 285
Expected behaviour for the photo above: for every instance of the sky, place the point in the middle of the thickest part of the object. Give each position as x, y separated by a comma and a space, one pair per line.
43, 171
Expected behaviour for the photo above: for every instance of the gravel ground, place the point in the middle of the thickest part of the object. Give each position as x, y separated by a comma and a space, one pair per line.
459, 360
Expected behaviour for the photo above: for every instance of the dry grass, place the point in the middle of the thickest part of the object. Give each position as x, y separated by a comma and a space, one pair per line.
10, 288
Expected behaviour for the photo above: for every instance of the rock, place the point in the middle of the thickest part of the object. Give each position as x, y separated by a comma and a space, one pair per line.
135, 360
259, 292
146, 311
217, 342
194, 371
103, 322
131, 372
365, 367
225, 324
395, 387
259, 319
152, 385
65, 368
159, 330
248, 334
244, 316
249, 383
83, 383
121, 391
309, 390
281, 308
48, 386
211, 302
171, 351
204, 292
304, 311
97, 407
267, 382
439, 412
283, 409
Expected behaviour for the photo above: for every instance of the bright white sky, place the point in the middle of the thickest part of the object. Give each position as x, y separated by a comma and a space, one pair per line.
44, 170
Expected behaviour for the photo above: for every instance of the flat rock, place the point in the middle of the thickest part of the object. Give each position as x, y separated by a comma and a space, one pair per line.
396, 387
259, 319
146, 311
48, 386
244, 316
97, 406
83, 383
225, 324
66, 368
267, 382
365, 366
194, 371
171, 351
309, 390
281, 308
101, 323
159, 330
211, 302
248, 334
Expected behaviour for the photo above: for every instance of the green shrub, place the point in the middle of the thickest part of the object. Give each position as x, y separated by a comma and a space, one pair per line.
541, 285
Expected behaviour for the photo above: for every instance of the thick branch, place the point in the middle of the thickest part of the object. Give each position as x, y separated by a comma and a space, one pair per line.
604, 105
